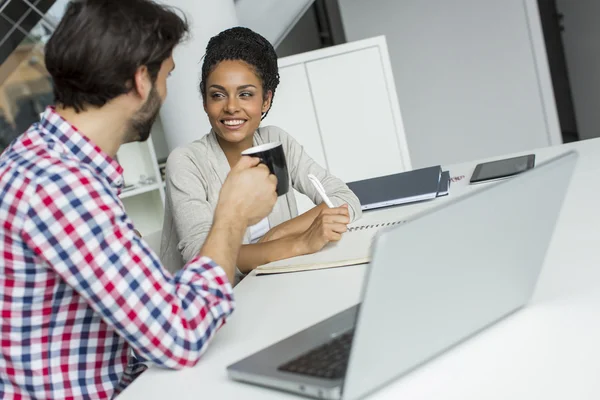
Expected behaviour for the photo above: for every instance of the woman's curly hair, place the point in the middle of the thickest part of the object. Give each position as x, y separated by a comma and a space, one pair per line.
245, 45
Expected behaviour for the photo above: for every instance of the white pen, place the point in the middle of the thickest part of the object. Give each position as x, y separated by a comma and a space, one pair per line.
319, 186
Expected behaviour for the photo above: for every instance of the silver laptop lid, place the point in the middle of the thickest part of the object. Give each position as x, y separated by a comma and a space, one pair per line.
452, 271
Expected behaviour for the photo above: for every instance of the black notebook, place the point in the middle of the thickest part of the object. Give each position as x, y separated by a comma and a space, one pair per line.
390, 190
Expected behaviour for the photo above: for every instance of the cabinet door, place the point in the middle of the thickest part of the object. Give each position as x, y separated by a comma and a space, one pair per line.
355, 115
293, 111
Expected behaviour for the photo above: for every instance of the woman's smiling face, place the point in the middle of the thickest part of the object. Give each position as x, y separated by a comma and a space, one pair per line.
235, 101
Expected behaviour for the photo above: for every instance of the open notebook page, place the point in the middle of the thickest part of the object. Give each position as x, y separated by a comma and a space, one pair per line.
354, 248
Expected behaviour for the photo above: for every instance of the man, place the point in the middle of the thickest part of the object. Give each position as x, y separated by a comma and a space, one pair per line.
80, 291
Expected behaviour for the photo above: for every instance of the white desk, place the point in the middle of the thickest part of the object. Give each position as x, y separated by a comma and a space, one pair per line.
550, 350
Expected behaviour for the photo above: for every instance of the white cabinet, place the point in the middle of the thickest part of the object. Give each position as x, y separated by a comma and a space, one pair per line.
340, 103
293, 111
355, 115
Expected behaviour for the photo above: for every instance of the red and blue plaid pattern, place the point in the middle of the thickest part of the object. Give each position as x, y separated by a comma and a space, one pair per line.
78, 289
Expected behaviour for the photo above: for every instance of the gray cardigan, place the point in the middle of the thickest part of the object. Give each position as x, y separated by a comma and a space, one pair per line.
195, 174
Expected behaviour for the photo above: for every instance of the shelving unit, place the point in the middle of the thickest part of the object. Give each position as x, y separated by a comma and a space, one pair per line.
144, 201
146, 210
141, 189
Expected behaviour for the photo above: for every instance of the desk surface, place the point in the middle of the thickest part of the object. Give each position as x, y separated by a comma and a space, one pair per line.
549, 350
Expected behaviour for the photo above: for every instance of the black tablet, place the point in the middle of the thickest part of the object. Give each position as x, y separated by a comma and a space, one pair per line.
502, 168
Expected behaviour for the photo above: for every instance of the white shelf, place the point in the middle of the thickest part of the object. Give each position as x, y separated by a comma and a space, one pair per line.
144, 203
141, 189
146, 210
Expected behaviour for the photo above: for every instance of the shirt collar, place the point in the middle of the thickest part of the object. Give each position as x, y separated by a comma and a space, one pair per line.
82, 148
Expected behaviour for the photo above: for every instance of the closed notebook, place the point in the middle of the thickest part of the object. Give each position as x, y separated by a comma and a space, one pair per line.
354, 248
406, 187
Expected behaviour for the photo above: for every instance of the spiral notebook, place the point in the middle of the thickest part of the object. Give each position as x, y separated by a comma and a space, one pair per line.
354, 248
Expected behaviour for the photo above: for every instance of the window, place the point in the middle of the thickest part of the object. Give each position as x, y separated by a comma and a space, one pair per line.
25, 86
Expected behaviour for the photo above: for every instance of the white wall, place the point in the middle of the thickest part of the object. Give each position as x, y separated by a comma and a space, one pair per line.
56, 12
469, 81
581, 39
182, 115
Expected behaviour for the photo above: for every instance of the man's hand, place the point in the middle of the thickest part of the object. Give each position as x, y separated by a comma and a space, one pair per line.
247, 196
329, 226
248, 192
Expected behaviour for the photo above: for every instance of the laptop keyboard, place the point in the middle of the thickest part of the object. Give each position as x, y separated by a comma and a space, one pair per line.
328, 361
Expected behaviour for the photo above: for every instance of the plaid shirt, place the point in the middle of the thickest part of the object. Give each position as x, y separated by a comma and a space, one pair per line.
78, 289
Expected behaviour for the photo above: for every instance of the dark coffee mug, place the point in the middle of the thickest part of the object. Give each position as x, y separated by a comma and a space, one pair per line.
271, 154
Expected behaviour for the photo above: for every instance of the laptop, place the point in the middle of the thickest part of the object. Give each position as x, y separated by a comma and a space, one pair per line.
392, 190
433, 282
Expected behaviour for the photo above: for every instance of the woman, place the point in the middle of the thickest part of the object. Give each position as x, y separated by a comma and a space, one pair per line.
239, 79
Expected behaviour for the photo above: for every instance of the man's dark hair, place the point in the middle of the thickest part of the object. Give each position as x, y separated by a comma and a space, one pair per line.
99, 45
244, 45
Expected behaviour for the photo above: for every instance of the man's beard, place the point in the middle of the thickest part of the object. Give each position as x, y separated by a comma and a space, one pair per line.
141, 123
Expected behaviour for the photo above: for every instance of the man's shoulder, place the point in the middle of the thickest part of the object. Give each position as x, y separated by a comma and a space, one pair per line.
30, 156
39, 161
33, 175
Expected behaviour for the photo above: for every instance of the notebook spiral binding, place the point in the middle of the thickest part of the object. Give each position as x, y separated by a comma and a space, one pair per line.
371, 226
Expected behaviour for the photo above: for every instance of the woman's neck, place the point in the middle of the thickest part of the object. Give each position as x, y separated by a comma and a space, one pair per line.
233, 151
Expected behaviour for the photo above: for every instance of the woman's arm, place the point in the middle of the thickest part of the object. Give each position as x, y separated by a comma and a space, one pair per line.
328, 225
193, 217
294, 226
309, 232
253, 255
